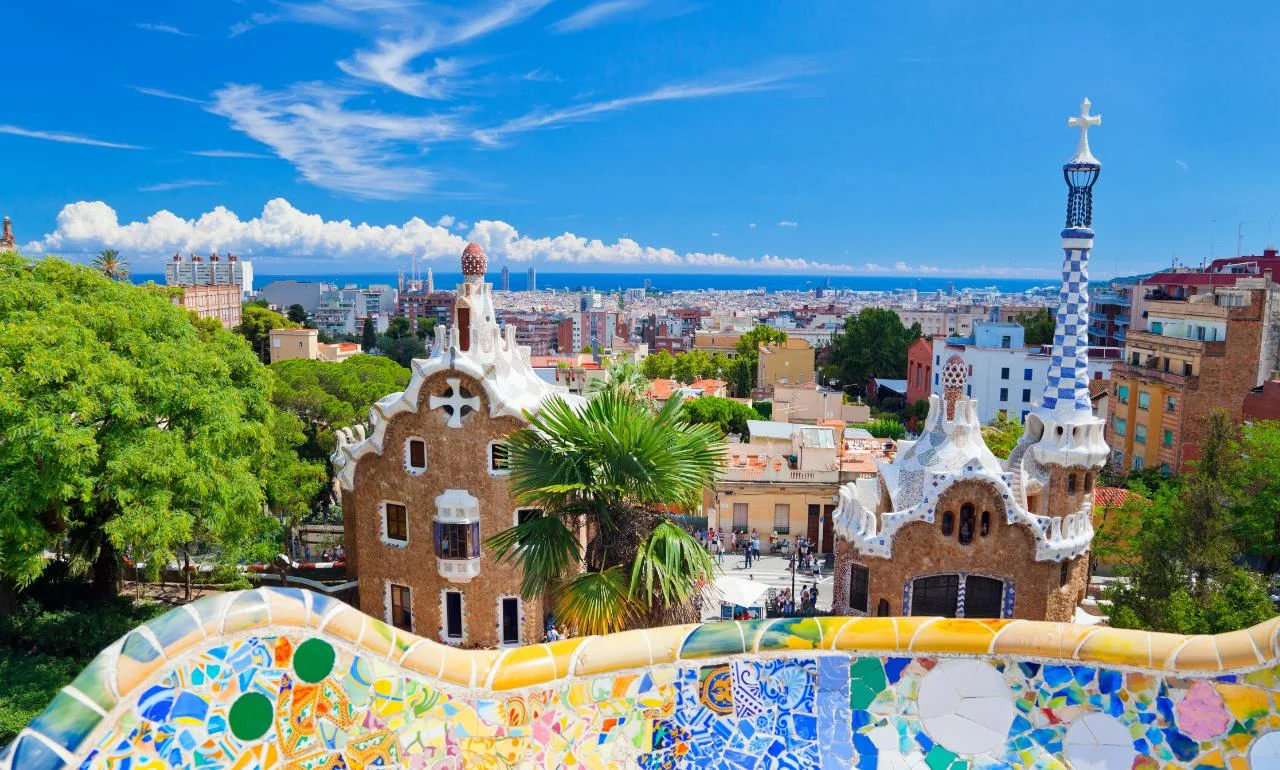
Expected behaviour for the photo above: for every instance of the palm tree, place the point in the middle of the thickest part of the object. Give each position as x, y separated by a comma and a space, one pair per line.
111, 264
625, 376
605, 475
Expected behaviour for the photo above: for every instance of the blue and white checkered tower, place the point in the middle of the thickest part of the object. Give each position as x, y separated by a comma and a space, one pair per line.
1062, 425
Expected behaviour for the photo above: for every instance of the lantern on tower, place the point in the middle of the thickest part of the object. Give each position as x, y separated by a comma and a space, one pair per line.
1081, 172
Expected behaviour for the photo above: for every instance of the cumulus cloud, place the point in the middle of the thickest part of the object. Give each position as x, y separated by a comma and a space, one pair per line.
445, 221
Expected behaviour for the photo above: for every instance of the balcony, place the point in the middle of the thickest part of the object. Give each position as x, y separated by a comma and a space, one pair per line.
1101, 318
1120, 334
1122, 319
458, 570
1200, 307
732, 474
1121, 370
1110, 298
1180, 345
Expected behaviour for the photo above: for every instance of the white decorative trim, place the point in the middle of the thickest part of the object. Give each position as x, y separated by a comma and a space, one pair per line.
488, 459
453, 641
382, 525
498, 624
386, 603
408, 468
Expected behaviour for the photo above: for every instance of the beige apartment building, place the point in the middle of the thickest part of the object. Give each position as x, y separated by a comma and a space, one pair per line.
944, 322
305, 343
810, 404
790, 362
717, 342
220, 301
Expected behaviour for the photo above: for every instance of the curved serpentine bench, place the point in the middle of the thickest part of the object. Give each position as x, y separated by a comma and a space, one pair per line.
285, 678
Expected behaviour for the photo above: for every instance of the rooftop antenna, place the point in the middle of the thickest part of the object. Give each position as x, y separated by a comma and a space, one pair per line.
1240, 238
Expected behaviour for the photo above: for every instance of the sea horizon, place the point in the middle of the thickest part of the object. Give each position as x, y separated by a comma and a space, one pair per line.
605, 282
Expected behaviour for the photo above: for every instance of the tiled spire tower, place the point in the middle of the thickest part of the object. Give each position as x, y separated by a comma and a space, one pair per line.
1062, 427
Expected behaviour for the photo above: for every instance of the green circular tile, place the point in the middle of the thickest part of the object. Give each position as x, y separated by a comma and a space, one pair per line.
250, 716
313, 660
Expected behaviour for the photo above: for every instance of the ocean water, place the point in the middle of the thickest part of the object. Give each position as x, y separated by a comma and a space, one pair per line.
671, 281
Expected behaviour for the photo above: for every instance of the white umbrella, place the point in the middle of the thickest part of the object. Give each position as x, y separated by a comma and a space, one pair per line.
744, 593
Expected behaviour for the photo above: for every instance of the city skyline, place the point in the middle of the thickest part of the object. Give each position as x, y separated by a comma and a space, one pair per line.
634, 136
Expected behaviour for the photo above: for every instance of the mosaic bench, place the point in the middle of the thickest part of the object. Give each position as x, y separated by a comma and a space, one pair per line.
284, 678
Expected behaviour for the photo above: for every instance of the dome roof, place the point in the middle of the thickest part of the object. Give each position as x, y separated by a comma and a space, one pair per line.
474, 262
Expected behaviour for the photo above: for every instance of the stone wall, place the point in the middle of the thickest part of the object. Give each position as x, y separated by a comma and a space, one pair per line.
278, 678
1007, 552
457, 458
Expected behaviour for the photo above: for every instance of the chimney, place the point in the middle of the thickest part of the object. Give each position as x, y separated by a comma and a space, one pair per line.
213, 256
1268, 253
8, 231
177, 257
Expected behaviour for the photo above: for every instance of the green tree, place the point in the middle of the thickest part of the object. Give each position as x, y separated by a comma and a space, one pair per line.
426, 328
658, 366
1001, 434
692, 366
612, 470
745, 369
256, 323
297, 314
402, 350
624, 376
124, 423
727, 415
111, 264
1039, 327
872, 343
887, 427
1258, 505
369, 336
1182, 576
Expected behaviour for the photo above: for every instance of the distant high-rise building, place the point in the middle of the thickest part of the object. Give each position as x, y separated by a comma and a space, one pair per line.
951, 287
431, 282
6, 240
648, 284
533, 279
195, 271
506, 278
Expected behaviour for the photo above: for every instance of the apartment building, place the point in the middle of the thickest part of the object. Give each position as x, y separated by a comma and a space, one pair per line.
215, 271
1109, 314
416, 305
305, 343
790, 362
943, 321
210, 301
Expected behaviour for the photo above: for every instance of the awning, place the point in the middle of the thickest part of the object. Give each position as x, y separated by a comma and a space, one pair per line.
744, 593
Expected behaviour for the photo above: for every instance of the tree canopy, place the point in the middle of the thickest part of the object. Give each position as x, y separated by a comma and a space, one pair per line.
887, 427
658, 366
1181, 567
126, 425
1039, 327
256, 323
1001, 434
872, 343
297, 314
726, 414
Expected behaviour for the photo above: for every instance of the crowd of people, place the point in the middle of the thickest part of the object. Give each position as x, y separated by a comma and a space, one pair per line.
787, 604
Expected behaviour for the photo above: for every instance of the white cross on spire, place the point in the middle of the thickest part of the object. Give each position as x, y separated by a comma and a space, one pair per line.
1084, 121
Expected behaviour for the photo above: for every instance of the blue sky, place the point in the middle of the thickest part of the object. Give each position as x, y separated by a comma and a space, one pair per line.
818, 136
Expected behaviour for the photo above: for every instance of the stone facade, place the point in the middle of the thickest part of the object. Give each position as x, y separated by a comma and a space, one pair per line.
427, 486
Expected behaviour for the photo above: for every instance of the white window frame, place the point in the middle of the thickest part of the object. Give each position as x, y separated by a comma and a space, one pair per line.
426, 459
444, 616
384, 533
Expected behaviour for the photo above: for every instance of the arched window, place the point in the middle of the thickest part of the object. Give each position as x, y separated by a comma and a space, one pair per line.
1071, 484
968, 522
986, 523
415, 455
882, 608
948, 523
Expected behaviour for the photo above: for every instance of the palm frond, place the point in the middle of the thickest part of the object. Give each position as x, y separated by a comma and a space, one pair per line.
670, 564
596, 602
543, 546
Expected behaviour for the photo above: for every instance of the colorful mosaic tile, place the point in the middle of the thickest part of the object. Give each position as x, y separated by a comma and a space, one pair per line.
251, 682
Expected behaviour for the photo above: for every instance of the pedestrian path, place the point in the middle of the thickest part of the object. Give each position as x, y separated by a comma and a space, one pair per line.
773, 570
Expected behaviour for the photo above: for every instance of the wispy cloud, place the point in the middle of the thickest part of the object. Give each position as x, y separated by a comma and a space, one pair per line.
788, 223
363, 153
57, 136
180, 184
769, 79
166, 28
390, 62
162, 94
1182, 164
597, 13
227, 154
752, 225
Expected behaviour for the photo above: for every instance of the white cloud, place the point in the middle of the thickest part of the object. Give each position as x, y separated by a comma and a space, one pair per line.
445, 221
788, 223
752, 225
180, 184
239, 28
57, 136
1182, 164
362, 153
389, 64
715, 235
227, 154
168, 95
281, 232
163, 28
770, 78
597, 13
